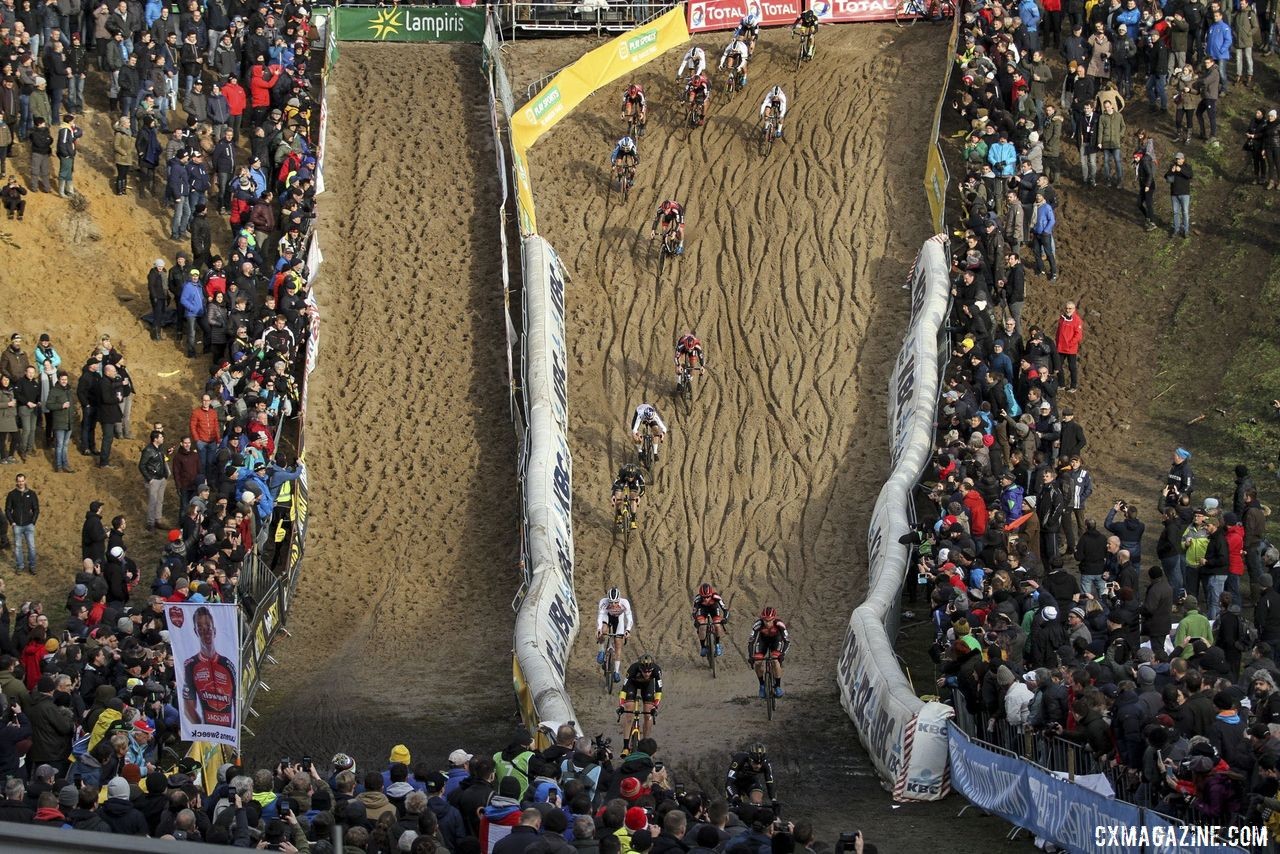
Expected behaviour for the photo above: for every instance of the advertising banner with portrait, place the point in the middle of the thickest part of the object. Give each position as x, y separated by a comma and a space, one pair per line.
206, 652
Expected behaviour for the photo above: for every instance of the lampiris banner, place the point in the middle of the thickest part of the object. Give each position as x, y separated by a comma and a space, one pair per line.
409, 23
206, 651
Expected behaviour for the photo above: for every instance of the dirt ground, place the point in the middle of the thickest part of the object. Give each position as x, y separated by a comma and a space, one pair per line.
402, 626
78, 270
791, 277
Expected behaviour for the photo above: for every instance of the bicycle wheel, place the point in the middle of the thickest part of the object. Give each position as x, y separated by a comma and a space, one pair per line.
905, 15
713, 639
608, 666
633, 739
627, 177
769, 699
800, 53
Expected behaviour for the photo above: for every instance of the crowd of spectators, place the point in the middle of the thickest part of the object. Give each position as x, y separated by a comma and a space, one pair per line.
1058, 629
215, 101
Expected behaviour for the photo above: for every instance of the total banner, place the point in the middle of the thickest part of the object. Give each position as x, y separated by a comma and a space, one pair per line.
409, 23
547, 619
849, 11
892, 722
614, 59
707, 15
206, 652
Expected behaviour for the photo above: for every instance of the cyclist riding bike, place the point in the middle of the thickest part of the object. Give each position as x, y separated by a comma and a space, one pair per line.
695, 60
747, 771
643, 685
749, 30
768, 646
624, 155
671, 217
689, 351
709, 610
613, 625
736, 55
647, 418
699, 91
775, 100
806, 25
633, 104
629, 484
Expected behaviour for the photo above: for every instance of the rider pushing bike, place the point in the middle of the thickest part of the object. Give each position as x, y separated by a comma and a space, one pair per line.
647, 418
689, 351
629, 486
806, 24
633, 104
671, 217
709, 611
643, 685
748, 771
775, 100
735, 56
768, 646
614, 623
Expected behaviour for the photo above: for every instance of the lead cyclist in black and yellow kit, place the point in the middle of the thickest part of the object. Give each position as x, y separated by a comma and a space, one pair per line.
807, 25
642, 688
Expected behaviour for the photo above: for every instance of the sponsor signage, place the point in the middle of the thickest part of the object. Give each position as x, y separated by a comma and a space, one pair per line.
205, 638
707, 15
409, 24
845, 11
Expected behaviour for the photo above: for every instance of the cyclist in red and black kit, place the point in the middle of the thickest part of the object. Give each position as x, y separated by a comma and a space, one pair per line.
689, 348
670, 216
633, 103
769, 642
209, 696
709, 611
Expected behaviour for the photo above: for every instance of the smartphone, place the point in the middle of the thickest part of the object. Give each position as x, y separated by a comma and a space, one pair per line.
285, 762
306, 763
658, 766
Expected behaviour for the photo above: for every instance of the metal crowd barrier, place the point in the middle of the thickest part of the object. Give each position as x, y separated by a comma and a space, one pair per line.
597, 16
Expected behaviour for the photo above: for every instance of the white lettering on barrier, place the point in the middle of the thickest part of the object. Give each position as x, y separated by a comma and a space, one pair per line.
435, 23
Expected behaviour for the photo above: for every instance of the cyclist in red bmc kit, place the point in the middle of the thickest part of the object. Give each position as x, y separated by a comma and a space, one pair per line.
210, 693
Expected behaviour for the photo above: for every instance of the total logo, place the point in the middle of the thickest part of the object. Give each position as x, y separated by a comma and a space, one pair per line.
822, 9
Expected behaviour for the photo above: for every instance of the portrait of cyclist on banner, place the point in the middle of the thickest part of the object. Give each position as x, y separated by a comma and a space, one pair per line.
209, 692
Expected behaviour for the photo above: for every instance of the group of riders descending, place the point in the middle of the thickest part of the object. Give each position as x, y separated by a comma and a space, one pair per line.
697, 91
640, 692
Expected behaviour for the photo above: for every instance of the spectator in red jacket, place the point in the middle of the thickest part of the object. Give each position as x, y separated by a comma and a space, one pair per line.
261, 80
975, 507
237, 100
1070, 334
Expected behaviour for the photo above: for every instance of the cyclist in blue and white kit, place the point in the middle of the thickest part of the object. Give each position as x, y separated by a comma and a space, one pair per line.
624, 154
695, 60
777, 99
614, 623
749, 30
647, 418
736, 49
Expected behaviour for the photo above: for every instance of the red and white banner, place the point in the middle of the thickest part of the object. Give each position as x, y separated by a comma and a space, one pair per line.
842, 11
706, 15
206, 650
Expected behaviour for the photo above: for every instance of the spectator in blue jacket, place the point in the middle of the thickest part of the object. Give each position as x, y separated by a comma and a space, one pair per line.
1029, 13
1003, 157
191, 301
1217, 46
177, 192
1042, 223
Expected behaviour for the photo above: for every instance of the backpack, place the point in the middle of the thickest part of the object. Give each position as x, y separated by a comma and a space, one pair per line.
1248, 635
584, 777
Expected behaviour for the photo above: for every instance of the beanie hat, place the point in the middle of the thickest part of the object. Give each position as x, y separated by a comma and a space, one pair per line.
1146, 675
156, 783
400, 753
636, 819
629, 788
118, 788
509, 787
68, 796
1004, 677
641, 841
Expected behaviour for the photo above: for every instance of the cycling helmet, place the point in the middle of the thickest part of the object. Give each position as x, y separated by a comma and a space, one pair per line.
751, 20
646, 662
769, 613
630, 470
627, 144
634, 90
706, 591
614, 595
776, 93
757, 753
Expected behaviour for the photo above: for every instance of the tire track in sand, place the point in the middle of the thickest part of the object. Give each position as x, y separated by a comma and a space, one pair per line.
413, 539
767, 485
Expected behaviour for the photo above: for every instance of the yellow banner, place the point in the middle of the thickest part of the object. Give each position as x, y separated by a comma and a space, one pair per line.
602, 66
935, 186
